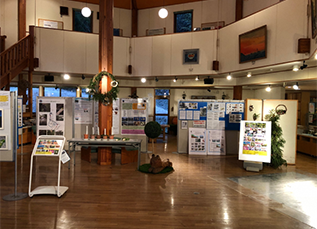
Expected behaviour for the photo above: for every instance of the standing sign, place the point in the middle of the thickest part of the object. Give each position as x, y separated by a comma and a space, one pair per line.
255, 141
50, 116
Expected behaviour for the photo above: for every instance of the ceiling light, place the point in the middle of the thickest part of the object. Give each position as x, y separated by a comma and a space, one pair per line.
156, 79
87, 89
143, 80
66, 77
208, 90
163, 13
268, 89
86, 12
197, 78
316, 56
249, 74
175, 79
229, 77
295, 68
295, 86
83, 76
304, 66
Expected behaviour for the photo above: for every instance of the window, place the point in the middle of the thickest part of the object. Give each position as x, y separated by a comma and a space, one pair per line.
162, 92
14, 89
183, 21
51, 92
68, 92
81, 23
35, 93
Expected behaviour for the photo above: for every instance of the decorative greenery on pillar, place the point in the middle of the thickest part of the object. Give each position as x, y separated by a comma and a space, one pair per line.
277, 141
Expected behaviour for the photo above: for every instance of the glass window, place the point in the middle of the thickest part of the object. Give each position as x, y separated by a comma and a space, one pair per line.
161, 106
84, 94
183, 21
162, 120
68, 92
81, 23
51, 92
35, 92
162, 92
13, 88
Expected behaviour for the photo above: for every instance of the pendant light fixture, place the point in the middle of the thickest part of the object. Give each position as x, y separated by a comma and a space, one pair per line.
163, 13
86, 12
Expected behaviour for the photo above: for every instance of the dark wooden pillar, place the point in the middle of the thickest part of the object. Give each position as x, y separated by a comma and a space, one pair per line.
105, 64
21, 19
134, 19
237, 92
239, 10
31, 67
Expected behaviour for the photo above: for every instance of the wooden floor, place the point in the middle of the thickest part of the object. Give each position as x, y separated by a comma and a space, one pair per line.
196, 195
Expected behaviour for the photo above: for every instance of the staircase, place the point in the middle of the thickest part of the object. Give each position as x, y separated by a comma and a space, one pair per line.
17, 58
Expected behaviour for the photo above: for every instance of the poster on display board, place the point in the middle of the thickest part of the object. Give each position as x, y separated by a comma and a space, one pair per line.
133, 116
197, 141
50, 116
192, 110
215, 116
255, 141
216, 142
83, 111
5, 99
6, 113
116, 116
234, 115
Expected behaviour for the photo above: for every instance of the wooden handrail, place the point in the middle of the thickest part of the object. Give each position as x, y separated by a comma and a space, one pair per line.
14, 55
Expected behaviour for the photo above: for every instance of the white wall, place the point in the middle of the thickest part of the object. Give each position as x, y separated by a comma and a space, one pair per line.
251, 6
9, 21
275, 93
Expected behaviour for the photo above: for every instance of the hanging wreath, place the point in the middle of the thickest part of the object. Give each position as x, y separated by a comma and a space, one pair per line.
107, 97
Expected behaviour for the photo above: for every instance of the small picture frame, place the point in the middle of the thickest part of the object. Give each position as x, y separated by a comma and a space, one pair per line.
191, 56
1, 119
3, 142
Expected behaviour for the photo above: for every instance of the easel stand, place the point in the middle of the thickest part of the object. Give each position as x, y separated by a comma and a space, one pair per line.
43, 143
253, 166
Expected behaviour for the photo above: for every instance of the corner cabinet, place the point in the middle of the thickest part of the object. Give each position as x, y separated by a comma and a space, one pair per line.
307, 144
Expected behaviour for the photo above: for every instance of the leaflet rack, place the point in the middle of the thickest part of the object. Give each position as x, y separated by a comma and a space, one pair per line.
48, 146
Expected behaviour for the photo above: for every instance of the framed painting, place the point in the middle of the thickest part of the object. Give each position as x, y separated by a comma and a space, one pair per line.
313, 18
252, 45
191, 56
3, 142
1, 119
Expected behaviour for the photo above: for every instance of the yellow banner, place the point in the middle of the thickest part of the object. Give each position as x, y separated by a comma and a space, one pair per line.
253, 152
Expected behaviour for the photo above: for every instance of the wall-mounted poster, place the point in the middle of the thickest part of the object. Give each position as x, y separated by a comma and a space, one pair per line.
1, 119
50, 116
197, 141
255, 141
3, 142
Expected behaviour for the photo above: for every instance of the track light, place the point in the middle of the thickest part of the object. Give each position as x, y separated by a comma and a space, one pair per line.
229, 76
268, 89
249, 74
208, 90
295, 86
303, 66
197, 78
295, 68
175, 79
143, 80
83, 76
66, 77
156, 79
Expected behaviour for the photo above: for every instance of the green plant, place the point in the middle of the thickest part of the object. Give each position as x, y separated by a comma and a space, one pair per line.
152, 130
277, 141
255, 116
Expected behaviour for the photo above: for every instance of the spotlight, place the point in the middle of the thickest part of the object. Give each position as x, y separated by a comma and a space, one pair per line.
163, 13
56, 87
197, 78
66, 77
295, 68
249, 74
208, 90
229, 77
156, 79
295, 86
175, 79
184, 95
143, 80
268, 89
83, 76
303, 66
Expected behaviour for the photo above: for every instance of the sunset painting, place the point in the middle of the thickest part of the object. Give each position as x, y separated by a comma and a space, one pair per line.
252, 45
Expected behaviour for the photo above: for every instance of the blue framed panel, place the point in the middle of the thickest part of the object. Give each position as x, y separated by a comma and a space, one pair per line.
234, 115
192, 110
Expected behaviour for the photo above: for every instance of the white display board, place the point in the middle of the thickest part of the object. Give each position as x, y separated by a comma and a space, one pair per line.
6, 128
253, 106
255, 141
288, 123
216, 142
197, 141
50, 116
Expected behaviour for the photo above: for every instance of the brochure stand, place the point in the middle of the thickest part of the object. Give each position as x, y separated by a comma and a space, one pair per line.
48, 146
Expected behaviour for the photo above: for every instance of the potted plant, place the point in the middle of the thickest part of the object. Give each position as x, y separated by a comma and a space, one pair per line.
255, 116
152, 130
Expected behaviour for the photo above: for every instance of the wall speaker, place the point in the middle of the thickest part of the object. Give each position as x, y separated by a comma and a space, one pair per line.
97, 15
130, 69
208, 81
215, 65
64, 10
49, 78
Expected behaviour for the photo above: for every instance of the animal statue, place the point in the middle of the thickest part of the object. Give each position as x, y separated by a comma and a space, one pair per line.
157, 165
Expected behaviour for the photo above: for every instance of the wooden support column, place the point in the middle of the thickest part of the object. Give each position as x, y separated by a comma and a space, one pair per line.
105, 64
134, 18
237, 92
31, 67
239, 10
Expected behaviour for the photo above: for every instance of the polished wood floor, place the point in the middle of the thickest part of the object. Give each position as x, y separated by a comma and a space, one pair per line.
198, 194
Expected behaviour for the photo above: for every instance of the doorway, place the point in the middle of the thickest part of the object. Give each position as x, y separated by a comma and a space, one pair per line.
161, 106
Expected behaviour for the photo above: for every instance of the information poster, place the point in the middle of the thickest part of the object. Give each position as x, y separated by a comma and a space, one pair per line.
197, 141
133, 116
48, 147
5, 99
234, 115
192, 110
255, 141
96, 116
116, 116
5, 121
216, 142
50, 116
83, 111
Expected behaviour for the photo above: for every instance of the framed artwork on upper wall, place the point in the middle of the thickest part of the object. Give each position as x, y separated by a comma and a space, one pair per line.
252, 45
1, 119
313, 18
191, 56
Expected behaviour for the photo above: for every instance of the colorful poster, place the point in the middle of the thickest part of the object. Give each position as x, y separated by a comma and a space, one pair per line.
48, 147
133, 116
50, 116
255, 141
5, 99
83, 111
197, 141
200, 124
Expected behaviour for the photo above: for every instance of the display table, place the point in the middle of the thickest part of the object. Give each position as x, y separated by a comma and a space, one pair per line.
72, 143
307, 143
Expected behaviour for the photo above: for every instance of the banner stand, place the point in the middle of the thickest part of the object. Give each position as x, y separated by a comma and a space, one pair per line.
15, 196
